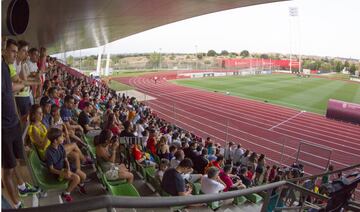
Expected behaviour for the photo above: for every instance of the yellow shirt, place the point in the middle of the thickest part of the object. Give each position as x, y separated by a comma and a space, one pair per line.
42, 132
12, 70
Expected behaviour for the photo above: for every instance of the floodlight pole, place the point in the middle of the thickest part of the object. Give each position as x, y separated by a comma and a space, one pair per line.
293, 12
196, 54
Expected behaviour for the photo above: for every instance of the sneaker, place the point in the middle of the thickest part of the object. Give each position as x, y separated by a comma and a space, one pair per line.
29, 189
66, 197
82, 189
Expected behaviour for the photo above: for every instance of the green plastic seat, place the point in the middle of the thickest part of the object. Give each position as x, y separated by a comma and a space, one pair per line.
43, 178
124, 189
196, 188
254, 198
239, 200
149, 172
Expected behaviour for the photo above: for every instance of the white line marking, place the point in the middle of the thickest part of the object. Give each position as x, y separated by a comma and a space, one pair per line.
283, 122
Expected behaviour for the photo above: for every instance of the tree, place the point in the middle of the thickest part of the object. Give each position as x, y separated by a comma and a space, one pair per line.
245, 53
339, 66
154, 60
224, 53
199, 56
264, 56
346, 64
352, 69
70, 60
211, 53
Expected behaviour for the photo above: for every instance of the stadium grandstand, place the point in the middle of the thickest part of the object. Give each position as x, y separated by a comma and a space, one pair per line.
70, 143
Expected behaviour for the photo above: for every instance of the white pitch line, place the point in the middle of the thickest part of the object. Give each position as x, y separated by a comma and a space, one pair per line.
292, 117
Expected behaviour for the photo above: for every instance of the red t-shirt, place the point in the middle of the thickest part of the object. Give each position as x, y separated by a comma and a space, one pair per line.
227, 180
151, 145
137, 153
250, 175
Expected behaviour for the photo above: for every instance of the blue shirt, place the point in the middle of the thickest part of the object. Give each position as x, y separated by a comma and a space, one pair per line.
9, 116
46, 120
55, 157
66, 114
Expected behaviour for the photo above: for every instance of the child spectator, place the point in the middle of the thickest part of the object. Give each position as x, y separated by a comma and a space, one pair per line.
164, 164
58, 164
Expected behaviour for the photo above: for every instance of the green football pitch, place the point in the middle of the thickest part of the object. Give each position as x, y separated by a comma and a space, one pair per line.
310, 94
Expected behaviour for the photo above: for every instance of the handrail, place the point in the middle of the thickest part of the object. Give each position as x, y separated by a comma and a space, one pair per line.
323, 174
107, 201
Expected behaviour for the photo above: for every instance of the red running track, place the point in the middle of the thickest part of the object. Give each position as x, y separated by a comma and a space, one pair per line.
273, 130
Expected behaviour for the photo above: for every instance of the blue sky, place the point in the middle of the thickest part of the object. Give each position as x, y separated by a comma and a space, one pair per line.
323, 27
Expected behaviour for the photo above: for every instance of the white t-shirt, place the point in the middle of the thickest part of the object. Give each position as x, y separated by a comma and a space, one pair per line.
174, 163
140, 130
32, 66
210, 186
238, 154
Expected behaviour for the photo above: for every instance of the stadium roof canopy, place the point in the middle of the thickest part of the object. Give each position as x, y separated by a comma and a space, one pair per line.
68, 25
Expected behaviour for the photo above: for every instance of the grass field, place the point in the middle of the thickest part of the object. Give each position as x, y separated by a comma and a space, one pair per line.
310, 94
117, 86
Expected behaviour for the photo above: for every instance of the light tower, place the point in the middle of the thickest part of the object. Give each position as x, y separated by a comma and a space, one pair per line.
293, 14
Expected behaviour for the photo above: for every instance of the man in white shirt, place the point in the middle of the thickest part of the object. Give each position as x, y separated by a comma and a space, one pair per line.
238, 153
211, 183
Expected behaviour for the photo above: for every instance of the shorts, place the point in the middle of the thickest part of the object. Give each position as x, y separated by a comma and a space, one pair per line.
12, 146
112, 174
23, 104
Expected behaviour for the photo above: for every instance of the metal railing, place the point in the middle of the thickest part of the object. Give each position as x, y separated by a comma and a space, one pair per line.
109, 202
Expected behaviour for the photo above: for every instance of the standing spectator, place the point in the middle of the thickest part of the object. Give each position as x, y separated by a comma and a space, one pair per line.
32, 64
211, 183
244, 160
326, 178
273, 173
11, 144
238, 154
173, 183
23, 100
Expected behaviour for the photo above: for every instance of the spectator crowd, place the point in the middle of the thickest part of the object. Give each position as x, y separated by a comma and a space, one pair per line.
57, 110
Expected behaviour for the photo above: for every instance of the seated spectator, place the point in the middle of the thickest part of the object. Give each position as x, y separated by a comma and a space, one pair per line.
175, 140
201, 162
179, 156
37, 131
86, 121
250, 173
151, 142
172, 150
211, 183
164, 165
173, 183
106, 148
243, 177
142, 157
54, 96
58, 164
163, 149
45, 104
217, 163
127, 132
67, 114
82, 102
228, 179
112, 125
